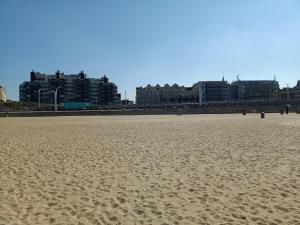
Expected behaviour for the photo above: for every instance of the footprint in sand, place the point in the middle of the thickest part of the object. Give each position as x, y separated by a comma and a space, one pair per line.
283, 209
115, 205
284, 195
179, 218
158, 213
121, 200
50, 204
113, 218
96, 203
139, 212
86, 199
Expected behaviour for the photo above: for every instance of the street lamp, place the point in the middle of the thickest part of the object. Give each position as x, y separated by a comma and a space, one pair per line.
55, 97
200, 94
201, 91
39, 96
287, 91
39, 91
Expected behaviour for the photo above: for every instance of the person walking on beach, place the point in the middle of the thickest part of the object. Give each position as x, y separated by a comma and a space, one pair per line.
287, 109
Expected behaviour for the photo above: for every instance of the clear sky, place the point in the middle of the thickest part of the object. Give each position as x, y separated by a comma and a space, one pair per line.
136, 42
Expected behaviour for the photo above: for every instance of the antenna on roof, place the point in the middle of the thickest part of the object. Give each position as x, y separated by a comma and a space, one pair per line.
287, 91
238, 77
223, 77
274, 76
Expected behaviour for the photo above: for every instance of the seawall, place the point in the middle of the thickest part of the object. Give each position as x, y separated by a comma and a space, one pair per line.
202, 110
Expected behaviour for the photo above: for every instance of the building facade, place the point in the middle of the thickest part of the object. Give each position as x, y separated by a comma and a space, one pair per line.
254, 90
214, 91
290, 93
207, 91
71, 88
2, 94
158, 95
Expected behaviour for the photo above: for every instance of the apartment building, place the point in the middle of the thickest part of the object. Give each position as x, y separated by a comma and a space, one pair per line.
70, 88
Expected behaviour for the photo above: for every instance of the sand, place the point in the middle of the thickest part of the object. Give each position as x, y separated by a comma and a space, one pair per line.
190, 169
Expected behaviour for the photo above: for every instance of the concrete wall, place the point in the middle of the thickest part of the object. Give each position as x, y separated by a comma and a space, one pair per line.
203, 110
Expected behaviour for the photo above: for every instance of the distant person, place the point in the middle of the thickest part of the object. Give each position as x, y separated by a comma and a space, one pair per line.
287, 109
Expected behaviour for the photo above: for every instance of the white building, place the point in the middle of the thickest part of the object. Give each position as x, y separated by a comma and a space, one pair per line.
156, 95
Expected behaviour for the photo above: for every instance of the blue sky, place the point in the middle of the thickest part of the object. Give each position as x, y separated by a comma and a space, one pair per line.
136, 42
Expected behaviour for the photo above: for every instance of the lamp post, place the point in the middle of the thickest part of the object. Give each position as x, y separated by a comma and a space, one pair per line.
39, 91
287, 91
125, 99
55, 97
200, 94
201, 90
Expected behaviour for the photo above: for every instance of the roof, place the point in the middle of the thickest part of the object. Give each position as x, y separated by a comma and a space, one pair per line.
256, 81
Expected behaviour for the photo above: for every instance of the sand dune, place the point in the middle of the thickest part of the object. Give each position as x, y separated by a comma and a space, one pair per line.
190, 169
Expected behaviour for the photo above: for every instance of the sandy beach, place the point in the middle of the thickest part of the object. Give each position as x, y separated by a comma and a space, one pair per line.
190, 169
